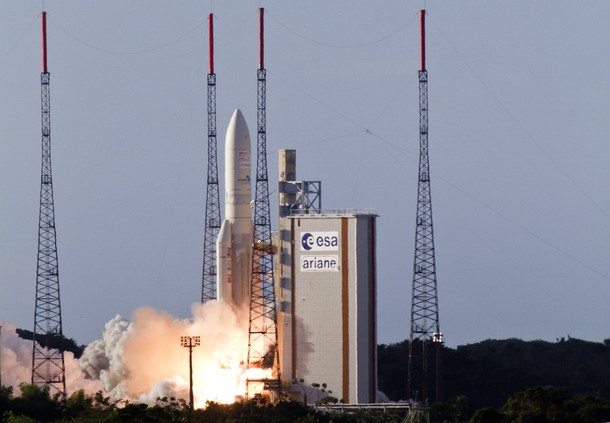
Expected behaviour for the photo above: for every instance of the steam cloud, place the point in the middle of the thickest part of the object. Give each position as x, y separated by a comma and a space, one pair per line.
17, 364
143, 360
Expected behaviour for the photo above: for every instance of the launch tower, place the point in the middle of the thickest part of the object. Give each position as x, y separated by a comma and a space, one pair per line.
212, 204
47, 364
262, 335
425, 328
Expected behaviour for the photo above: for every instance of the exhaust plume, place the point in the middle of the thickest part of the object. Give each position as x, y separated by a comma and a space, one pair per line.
142, 360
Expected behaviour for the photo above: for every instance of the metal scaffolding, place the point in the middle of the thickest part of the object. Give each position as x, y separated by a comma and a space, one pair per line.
425, 327
48, 367
212, 203
262, 335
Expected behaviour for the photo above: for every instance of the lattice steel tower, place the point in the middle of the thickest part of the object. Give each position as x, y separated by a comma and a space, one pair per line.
212, 203
425, 327
262, 337
47, 364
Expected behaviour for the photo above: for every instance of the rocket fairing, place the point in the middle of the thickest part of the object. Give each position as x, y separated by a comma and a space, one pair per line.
234, 242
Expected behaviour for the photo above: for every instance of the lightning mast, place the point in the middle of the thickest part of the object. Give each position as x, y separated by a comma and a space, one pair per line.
424, 300
262, 336
47, 364
212, 204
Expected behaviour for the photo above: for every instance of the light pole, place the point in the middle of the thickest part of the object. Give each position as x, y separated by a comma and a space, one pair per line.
190, 342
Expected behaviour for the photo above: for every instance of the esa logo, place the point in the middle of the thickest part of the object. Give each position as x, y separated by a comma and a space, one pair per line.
320, 241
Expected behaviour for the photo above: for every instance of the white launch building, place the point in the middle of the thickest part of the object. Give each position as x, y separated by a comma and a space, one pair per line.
326, 272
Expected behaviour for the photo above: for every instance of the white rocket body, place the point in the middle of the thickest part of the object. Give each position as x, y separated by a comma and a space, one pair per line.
234, 243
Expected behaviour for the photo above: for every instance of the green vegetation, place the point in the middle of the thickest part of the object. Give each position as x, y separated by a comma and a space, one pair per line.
534, 405
488, 372
36, 405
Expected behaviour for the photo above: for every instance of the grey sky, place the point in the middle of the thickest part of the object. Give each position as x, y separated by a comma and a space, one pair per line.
519, 145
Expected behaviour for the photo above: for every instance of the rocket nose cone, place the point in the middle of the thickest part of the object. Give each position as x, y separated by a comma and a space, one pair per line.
238, 135
237, 114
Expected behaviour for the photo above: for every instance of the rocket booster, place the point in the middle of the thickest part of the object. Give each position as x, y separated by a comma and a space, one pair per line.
234, 243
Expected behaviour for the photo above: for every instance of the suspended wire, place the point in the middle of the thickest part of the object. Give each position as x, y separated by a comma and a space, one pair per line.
358, 171
324, 140
487, 206
168, 58
413, 157
346, 117
178, 181
10, 50
522, 128
541, 286
525, 229
398, 94
320, 43
338, 112
502, 215
489, 245
124, 52
238, 26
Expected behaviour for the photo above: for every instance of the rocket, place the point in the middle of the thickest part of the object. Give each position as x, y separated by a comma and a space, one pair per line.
234, 242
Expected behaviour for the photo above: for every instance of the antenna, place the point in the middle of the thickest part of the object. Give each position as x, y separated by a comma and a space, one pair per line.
48, 367
261, 39
262, 333
422, 26
44, 42
212, 202
211, 43
424, 300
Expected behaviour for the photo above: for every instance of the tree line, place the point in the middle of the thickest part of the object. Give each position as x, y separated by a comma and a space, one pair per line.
534, 405
36, 405
511, 381
488, 372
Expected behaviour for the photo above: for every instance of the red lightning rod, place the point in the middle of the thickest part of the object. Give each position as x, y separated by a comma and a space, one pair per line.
211, 41
44, 42
261, 39
422, 21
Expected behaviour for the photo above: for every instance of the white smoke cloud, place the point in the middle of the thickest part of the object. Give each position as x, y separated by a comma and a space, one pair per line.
16, 357
102, 359
143, 360
17, 364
